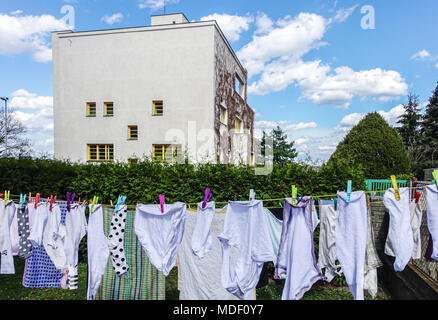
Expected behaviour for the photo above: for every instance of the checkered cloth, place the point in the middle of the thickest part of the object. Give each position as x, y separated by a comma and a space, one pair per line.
39, 270
142, 281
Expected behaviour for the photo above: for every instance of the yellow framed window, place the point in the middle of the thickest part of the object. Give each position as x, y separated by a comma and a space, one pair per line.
108, 109
157, 108
132, 132
132, 160
166, 152
91, 109
238, 125
223, 115
100, 152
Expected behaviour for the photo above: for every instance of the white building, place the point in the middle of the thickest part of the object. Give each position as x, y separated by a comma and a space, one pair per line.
127, 93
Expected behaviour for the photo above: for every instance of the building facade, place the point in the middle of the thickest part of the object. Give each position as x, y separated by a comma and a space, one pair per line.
170, 90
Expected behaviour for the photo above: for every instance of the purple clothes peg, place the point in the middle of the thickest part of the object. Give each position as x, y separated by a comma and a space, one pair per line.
70, 200
162, 203
207, 197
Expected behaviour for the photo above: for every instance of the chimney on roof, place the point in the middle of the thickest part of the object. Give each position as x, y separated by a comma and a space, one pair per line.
173, 18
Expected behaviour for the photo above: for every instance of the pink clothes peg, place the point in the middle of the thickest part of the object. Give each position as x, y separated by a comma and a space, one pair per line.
37, 199
162, 203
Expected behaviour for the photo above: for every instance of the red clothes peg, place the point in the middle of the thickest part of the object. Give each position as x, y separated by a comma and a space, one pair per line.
37, 199
417, 196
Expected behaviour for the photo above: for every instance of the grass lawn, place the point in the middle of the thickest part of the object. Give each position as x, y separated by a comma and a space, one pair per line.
11, 288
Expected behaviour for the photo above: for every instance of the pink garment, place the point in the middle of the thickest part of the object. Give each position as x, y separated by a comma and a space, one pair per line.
15, 239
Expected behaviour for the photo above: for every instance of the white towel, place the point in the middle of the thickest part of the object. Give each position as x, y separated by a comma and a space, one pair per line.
245, 229
201, 238
351, 240
400, 231
160, 234
432, 217
97, 250
296, 256
6, 216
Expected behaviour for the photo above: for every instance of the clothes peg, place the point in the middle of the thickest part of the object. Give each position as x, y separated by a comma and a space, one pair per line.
7, 193
252, 194
22, 200
435, 176
207, 197
395, 186
348, 190
52, 201
120, 201
68, 201
335, 202
37, 199
294, 195
95, 199
162, 202
79, 201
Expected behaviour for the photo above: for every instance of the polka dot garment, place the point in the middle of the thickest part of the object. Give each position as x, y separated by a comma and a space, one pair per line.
116, 241
24, 245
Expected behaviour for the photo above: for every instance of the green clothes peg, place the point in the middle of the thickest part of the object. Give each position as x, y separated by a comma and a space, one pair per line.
335, 201
294, 195
435, 176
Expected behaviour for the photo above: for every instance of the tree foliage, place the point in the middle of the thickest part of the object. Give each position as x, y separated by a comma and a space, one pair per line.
429, 129
375, 146
12, 129
283, 150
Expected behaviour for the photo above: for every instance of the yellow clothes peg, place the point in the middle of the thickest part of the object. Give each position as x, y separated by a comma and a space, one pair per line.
294, 195
395, 186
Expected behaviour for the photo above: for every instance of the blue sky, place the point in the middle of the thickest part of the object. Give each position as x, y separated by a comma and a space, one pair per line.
314, 69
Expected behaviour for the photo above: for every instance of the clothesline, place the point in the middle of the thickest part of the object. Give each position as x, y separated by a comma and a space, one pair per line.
16, 199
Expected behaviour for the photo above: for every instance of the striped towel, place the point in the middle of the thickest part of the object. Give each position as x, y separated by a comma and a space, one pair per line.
142, 281
39, 270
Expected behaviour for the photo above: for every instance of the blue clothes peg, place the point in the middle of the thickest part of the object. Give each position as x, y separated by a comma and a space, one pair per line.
348, 190
22, 200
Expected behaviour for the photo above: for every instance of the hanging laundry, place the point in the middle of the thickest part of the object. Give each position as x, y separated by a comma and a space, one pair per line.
116, 240
39, 224
201, 238
160, 233
296, 255
432, 217
327, 240
351, 240
39, 270
53, 238
24, 245
97, 250
142, 281
315, 219
7, 212
372, 261
245, 230
76, 228
15, 238
416, 217
274, 227
200, 279
400, 241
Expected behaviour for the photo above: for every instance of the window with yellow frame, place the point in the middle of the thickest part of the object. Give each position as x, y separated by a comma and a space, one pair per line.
238, 125
108, 109
157, 107
223, 115
91, 109
166, 152
100, 152
132, 132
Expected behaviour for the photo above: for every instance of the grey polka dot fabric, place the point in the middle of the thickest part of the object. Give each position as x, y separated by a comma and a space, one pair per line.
24, 245
116, 241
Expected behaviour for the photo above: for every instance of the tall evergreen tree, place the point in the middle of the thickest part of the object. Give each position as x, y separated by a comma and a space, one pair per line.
429, 128
283, 151
410, 122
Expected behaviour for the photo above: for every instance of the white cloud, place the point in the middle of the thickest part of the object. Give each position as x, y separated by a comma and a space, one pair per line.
16, 12
344, 14
352, 119
155, 4
276, 58
436, 65
21, 34
22, 99
285, 125
36, 114
301, 126
115, 18
301, 141
264, 24
421, 55
232, 26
